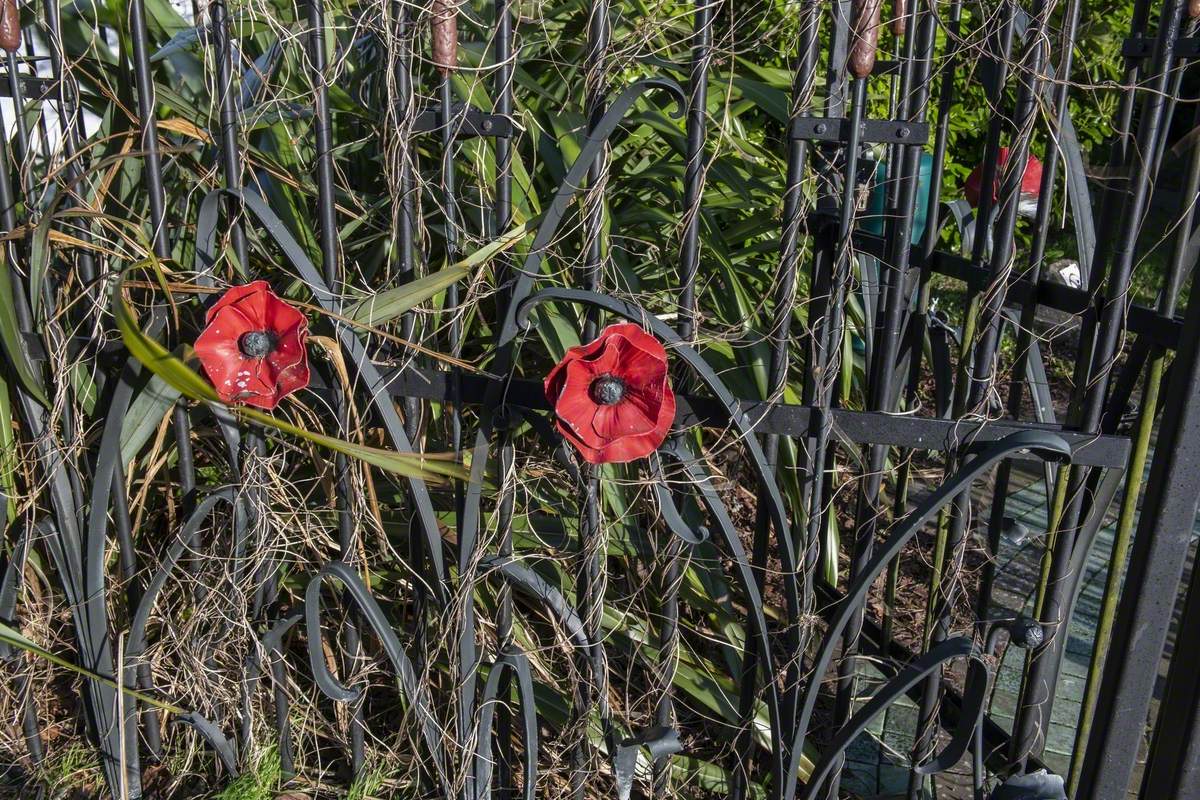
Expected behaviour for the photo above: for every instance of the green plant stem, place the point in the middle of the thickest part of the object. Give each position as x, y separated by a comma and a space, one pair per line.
1116, 563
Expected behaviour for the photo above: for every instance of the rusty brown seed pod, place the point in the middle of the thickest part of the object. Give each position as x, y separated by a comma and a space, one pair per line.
900, 20
865, 37
444, 27
1194, 9
10, 26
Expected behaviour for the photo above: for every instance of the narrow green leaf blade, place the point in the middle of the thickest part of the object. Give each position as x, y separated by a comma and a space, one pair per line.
389, 305
11, 339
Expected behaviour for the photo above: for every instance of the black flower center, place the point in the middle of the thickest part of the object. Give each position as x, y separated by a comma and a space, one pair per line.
607, 390
257, 344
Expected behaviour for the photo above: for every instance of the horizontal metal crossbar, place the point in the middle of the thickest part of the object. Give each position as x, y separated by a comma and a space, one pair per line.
1143, 46
859, 427
1144, 321
33, 88
467, 123
824, 129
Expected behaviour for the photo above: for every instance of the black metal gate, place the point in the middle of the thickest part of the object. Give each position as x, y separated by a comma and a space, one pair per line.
498, 634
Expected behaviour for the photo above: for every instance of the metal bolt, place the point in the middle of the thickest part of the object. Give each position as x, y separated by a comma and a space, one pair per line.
903, 133
1026, 632
820, 128
487, 126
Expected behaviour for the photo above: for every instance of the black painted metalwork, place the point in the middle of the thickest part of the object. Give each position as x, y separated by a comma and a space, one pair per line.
800, 623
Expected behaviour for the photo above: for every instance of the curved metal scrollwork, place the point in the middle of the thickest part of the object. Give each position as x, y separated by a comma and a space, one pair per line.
416, 693
1046, 445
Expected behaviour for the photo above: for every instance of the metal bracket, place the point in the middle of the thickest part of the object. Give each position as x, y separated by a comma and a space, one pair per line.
31, 87
885, 131
466, 122
1143, 46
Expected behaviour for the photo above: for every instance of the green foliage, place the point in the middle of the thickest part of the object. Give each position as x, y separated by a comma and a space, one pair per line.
259, 783
745, 167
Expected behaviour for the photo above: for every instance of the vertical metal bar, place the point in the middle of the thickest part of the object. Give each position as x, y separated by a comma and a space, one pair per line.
599, 33
689, 257
1114, 190
1173, 764
836, 327
911, 103
831, 272
162, 249
985, 310
231, 163
402, 31
327, 224
1157, 560
803, 85
404, 223
920, 322
1041, 676
68, 110
693, 178
1155, 363
1029, 310
445, 22
450, 198
502, 214
587, 584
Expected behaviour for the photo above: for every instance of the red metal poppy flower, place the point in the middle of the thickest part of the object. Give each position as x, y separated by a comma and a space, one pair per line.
253, 348
612, 398
1031, 181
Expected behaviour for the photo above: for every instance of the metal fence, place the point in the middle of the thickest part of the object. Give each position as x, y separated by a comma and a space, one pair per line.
811, 672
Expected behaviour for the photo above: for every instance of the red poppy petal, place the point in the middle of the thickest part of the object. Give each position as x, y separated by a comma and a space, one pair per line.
236, 295
638, 368
626, 449
553, 384
266, 401
622, 419
604, 361
289, 348
293, 379
235, 379
254, 305
588, 353
588, 453
585, 351
1031, 181
666, 415
280, 317
638, 336
647, 400
217, 346
633, 447
575, 407
226, 326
